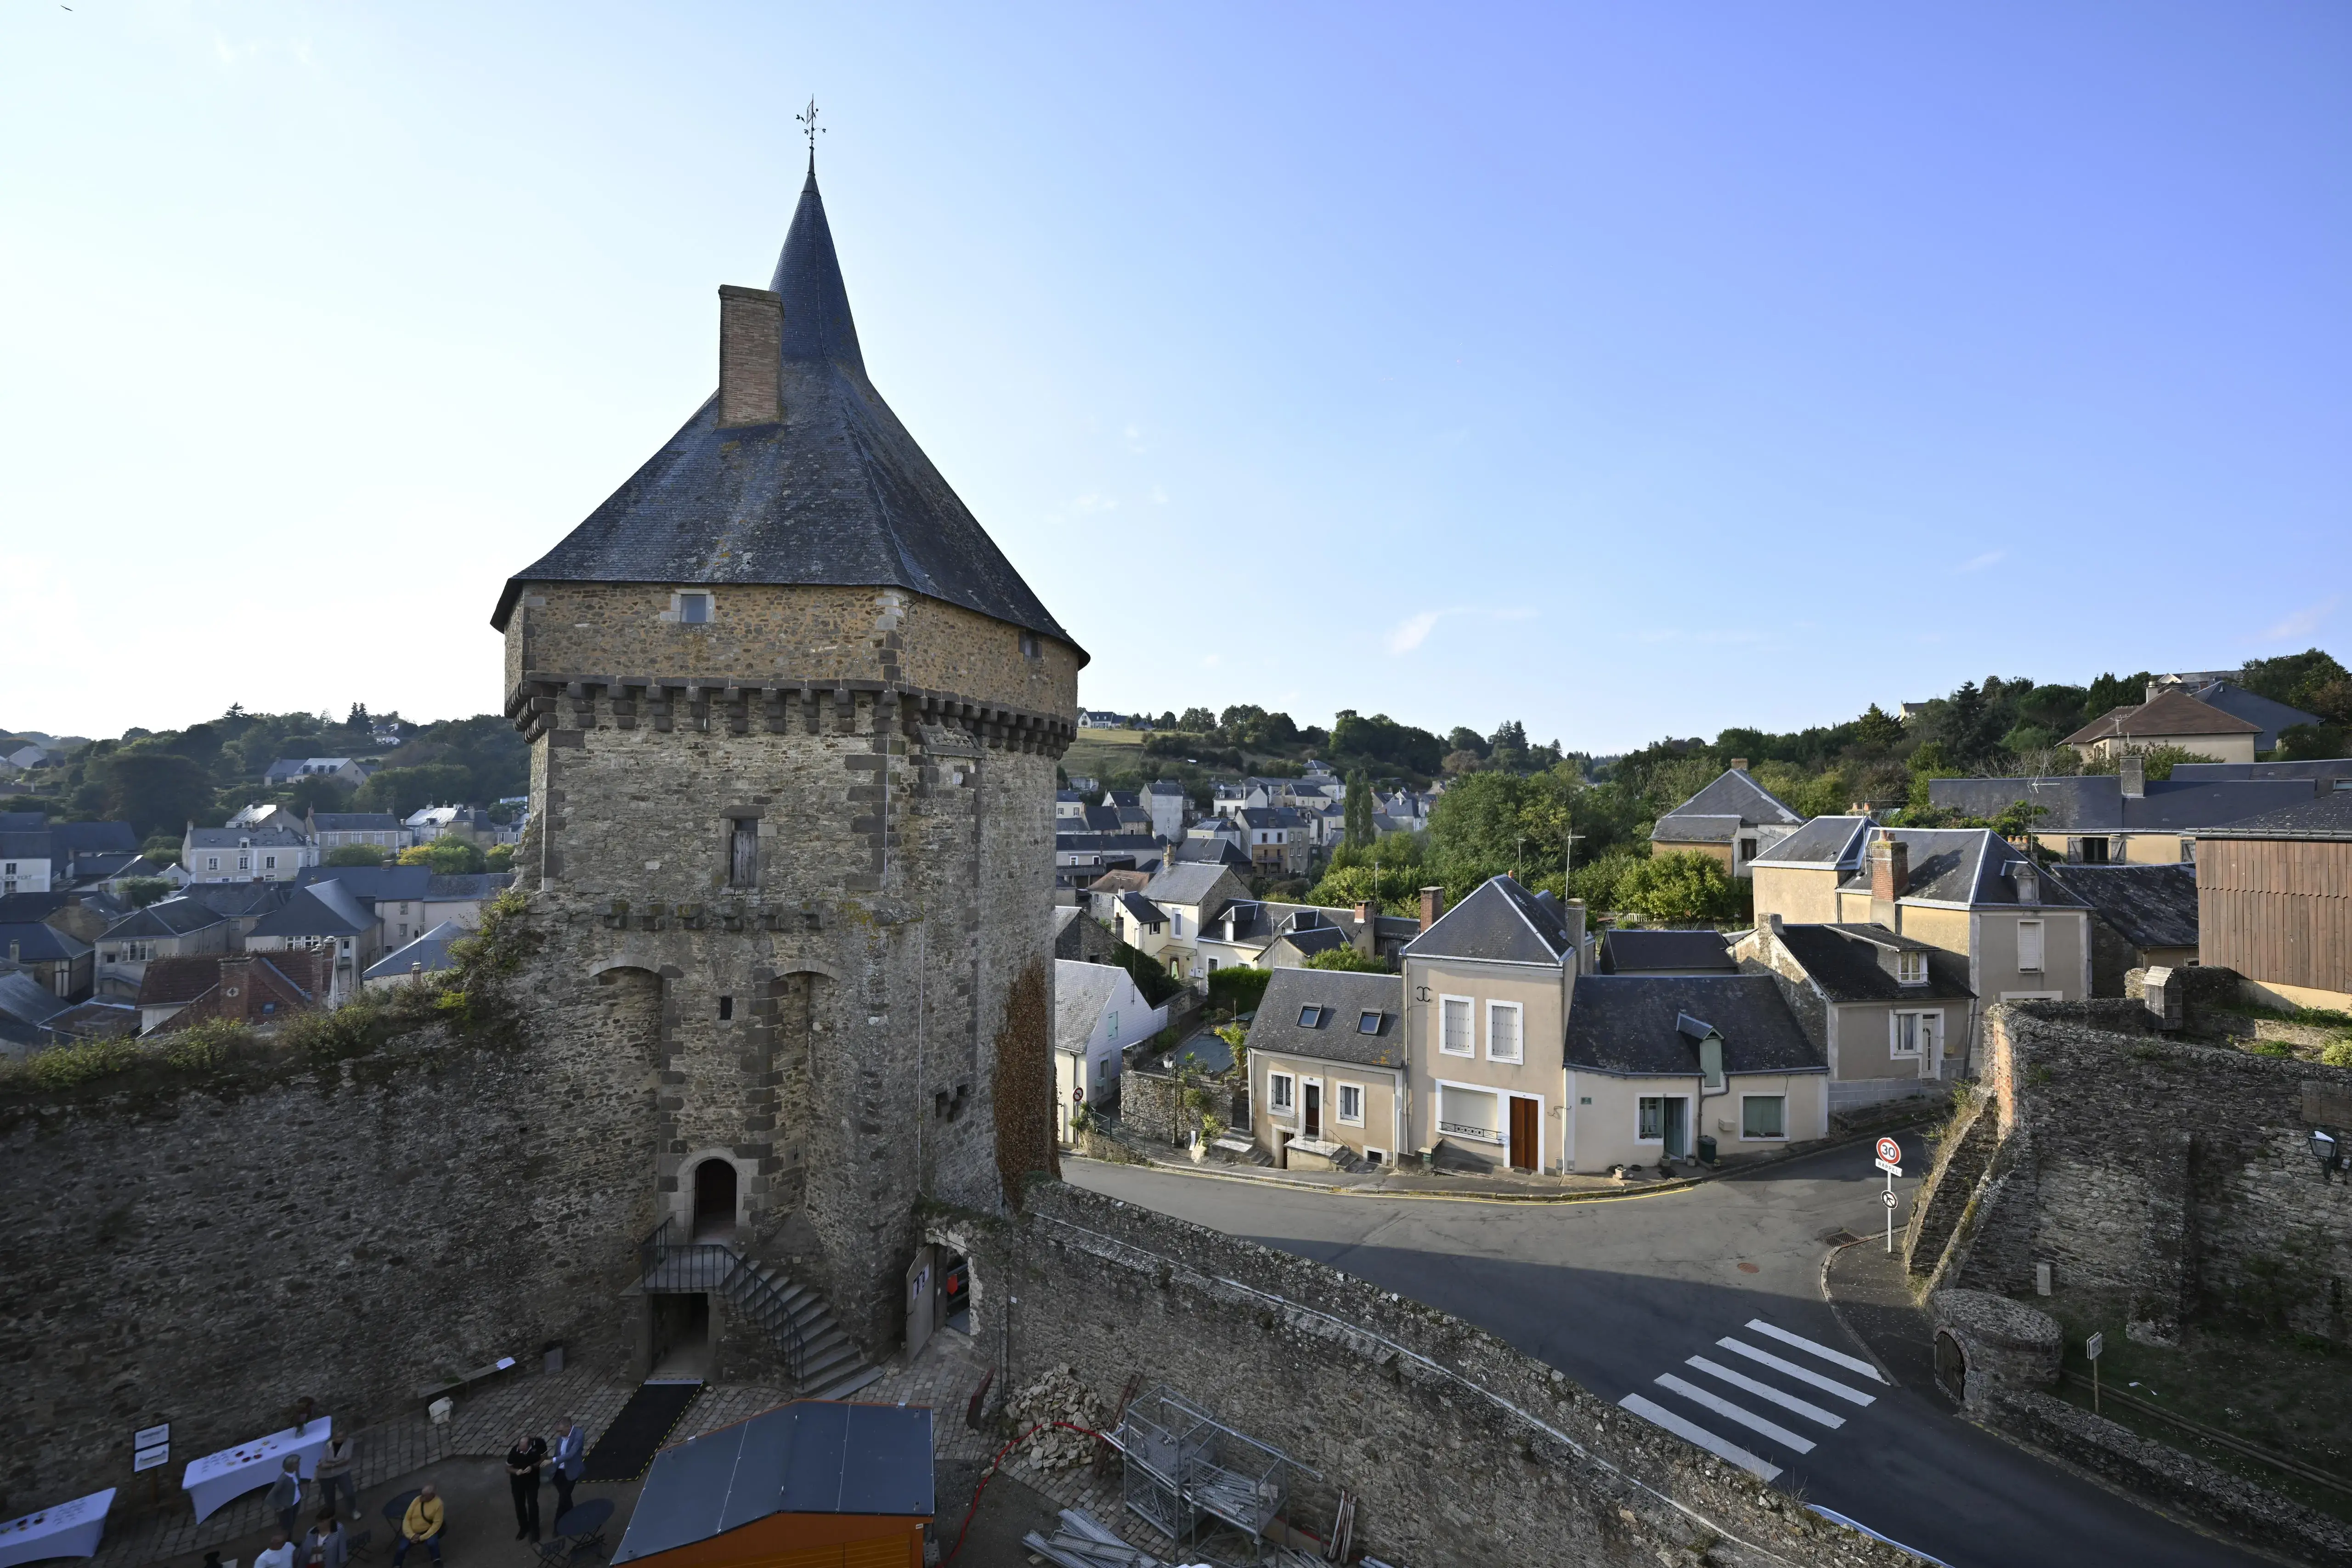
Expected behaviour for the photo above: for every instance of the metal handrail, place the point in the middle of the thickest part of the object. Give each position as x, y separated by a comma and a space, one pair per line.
754, 1290
708, 1265
1462, 1130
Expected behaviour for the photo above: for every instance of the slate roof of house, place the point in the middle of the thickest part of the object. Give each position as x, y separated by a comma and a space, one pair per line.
1140, 908
2173, 712
1843, 960
26, 1000
25, 845
2149, 906
1960, 866
1257, 920
1825, 842
1209, 852
1717, 812
163, 918
2325, 816
1312, 940
322, 909
1185, 883
442, 886
1163, 786
241, 838
95, 1020
92, 838
1500, 922
16, 907
1637, 952
2269, 715
2319, 771
1638, 1025
2096, 802
1349, 995
1081, 992
834, 492
429, 952
373, 884
294, 976
35, 942
1121, 879
240, 900
1132, 799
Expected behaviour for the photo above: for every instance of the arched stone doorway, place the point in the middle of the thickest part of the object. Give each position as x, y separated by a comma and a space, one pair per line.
714, 1200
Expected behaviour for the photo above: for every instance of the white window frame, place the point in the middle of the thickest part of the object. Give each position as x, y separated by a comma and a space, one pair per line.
1501, 1097
1744, 1136
1661, 1138
1281, 1096
677, 598
1910, 968
1469, 1022
1920, 1052
2041, 930
1339, 1093
1518, 1032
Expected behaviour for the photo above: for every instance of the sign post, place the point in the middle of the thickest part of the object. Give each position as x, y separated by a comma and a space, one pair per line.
151, 1450
2091, 1348
1890, 1160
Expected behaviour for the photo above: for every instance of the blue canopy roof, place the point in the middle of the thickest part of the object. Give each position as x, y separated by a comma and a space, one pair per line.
809, 1456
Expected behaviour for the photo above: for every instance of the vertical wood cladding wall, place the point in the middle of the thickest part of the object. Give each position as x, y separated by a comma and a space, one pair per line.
351, 1231
2277, 911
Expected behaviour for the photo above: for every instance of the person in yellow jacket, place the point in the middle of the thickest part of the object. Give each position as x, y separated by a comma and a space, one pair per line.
421, 1524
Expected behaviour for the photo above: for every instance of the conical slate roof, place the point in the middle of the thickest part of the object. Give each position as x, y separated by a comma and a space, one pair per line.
836, 493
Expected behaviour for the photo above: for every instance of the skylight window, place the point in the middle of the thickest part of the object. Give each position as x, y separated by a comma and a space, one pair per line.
1311, 1018
1367, 1024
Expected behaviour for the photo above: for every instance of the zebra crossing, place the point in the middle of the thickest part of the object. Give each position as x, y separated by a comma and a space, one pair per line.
1746, 1391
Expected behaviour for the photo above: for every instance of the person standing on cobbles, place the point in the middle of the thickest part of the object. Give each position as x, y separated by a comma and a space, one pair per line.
285, 1495
529, 1452
280, 1553
334, 1473
568, 1461
326, 1546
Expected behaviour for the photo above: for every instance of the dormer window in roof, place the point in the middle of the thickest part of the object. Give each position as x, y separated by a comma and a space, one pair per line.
1911, 968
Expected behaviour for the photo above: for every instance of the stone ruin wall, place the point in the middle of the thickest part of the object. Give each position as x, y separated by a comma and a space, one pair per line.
1378, 1394
2161, 1178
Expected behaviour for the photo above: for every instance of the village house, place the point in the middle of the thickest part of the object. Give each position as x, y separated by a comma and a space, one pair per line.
1277, 837
2141, 917
2123, 817
1966, 891
246, 854
2169, 717
1190, 895
349, 772
1486, 998
1733, 820
2222, 691
371, 829
426, 956
1876, 1006
37, 856
58, 962
323, 917
173, 928
1328, 1069
260, 990
1686, 1066
1097, 1012
1165, 800
405, 901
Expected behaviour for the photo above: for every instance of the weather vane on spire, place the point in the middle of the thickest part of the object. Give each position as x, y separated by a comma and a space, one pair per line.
809, 127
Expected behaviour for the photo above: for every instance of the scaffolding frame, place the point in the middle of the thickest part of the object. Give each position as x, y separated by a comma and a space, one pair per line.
1185, 1468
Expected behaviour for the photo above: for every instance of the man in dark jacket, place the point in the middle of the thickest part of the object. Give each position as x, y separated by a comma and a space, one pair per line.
529, 1452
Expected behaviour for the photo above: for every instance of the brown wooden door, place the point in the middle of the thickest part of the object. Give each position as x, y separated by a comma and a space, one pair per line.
1523, 1133
1314, 1116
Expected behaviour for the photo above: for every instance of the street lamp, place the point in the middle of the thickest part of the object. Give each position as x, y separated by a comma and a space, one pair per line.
2327, 1147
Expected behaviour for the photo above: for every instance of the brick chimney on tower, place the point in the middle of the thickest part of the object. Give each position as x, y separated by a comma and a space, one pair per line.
751, 346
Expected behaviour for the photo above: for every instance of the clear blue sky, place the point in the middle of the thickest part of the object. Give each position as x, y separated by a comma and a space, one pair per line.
1629, 370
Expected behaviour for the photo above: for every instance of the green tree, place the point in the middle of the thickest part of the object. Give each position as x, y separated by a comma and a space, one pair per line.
1685, 887
355, 855
2312, 680
1348, 959
402, 791
157, 792
1357, 829
1878, 729
447, 856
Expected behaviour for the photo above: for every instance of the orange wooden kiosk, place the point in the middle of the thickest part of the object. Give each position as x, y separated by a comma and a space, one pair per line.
813, 1484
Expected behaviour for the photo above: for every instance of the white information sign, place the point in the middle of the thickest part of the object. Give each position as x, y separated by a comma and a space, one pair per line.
1890, 1168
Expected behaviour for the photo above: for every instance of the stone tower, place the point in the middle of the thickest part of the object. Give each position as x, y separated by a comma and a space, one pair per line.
794, 722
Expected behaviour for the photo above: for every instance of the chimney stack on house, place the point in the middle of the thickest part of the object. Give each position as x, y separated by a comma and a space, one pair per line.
1739, 765
2028, 878
1890, 876
751, 356
236, 988
1432, 905
2133, 767
2154, 689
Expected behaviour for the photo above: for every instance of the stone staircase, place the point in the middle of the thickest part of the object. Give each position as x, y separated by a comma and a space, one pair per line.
1944, 1197
828, 1363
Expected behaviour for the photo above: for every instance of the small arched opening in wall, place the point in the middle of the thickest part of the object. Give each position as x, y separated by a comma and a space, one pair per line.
717, 1191
1951, 1366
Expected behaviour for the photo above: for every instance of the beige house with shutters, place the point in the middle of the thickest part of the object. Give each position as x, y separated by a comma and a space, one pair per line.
1327, 1065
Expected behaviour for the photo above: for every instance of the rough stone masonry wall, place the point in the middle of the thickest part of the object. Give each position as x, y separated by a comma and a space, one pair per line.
830, 1030
1461, 1450
205, 1253
2160, 1178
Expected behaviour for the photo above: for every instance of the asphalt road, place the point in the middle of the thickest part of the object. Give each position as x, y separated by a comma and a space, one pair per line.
1622, 1292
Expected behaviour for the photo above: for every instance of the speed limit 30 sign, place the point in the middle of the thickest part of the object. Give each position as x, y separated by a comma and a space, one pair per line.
1890, 1151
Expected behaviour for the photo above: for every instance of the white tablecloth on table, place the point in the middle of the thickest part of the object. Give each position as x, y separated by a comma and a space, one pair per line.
69, 1529
233, 1472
